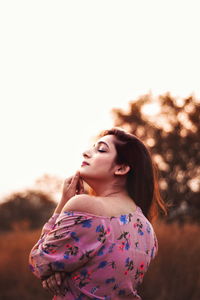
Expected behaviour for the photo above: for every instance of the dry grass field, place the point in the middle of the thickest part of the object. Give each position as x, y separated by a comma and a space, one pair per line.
174, 274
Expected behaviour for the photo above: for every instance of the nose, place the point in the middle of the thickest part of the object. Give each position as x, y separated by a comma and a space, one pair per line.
86, 154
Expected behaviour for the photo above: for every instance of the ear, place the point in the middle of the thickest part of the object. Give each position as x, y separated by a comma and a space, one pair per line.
122, 170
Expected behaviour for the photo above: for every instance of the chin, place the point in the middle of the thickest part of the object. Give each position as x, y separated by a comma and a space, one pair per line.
83, 174
86, 176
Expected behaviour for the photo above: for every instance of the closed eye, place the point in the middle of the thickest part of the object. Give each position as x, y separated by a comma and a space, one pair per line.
101, 151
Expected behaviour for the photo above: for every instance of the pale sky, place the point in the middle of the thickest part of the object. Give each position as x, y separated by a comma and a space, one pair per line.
65, 64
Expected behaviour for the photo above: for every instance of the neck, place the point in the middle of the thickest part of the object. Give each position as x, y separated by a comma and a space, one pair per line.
105, 189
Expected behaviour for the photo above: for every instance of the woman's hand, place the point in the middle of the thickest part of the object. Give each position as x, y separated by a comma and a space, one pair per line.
53, 283
72, 186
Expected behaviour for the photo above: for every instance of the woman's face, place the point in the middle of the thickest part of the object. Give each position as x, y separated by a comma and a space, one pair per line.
100, 158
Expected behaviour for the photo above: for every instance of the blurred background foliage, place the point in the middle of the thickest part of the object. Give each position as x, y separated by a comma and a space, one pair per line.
170, 129
172, 133
25, 210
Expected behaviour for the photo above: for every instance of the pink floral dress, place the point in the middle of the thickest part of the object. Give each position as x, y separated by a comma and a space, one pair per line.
103, 257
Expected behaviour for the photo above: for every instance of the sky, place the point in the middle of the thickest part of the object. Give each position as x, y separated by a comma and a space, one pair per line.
65, 64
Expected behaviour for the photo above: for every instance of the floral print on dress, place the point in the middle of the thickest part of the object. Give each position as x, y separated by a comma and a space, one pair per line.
140, 272
138, 224
83, 278
129, 265
125, 219
125, 244
103, 257
102, 233
71, 250
148, 228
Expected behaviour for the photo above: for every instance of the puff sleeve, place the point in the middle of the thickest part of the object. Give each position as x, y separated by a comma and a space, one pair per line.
67, 242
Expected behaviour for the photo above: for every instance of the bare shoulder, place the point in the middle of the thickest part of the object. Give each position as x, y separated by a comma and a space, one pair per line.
83, 203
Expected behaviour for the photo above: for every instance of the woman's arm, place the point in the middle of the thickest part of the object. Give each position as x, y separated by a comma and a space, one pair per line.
72, 186
65, 248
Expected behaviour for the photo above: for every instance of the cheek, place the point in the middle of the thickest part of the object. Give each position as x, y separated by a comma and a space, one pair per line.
105, 163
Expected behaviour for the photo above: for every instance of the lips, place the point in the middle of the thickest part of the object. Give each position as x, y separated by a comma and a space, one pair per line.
84, 163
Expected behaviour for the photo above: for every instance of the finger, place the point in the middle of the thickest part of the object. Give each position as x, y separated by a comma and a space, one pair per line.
81, 181
54, 284
62, 275
51, 284
58, 278
78, 187
75, 179
44, 284
48, 284
68, 180
81, 188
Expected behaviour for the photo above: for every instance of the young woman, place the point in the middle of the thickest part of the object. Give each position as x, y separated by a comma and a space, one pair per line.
99, 246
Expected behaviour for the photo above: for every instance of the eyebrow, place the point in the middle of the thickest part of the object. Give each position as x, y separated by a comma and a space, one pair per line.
101, 142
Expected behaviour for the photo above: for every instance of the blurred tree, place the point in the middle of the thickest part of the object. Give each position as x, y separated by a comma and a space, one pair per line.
29, 208
170, 128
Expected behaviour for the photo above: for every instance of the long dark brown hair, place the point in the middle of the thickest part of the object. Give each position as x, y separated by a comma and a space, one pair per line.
142, 179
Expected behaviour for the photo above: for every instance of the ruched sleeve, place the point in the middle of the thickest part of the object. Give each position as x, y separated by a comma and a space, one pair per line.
67, 242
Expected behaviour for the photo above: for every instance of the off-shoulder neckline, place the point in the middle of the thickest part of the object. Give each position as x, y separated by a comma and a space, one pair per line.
73, 212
